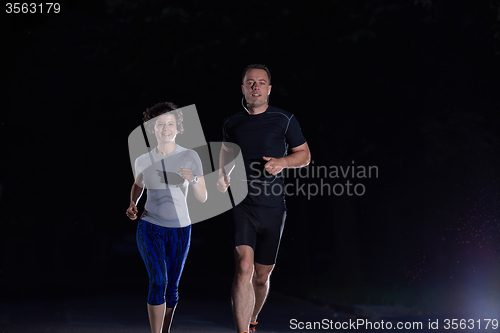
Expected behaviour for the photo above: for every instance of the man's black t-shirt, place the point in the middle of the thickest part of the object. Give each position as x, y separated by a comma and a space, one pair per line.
268, 134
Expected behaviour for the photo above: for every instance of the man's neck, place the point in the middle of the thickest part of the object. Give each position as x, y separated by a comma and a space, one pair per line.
258, 109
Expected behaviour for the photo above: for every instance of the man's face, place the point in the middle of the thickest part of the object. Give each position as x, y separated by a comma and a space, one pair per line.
256, 87
165, 128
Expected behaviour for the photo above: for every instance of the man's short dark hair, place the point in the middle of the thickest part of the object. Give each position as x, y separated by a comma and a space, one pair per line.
256, 66
163, 108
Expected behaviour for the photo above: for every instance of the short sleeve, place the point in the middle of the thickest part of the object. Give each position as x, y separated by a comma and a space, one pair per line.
138, 170
225, 137
137, 167
140, 165
196, 167
293, 133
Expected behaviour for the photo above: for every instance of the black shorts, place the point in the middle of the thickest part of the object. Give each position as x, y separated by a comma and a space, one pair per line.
259, 227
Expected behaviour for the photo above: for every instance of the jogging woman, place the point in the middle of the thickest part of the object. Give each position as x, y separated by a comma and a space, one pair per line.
164, 229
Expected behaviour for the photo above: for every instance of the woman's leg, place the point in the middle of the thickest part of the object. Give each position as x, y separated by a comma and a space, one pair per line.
156, 314
151, 245
169, 315
179, 240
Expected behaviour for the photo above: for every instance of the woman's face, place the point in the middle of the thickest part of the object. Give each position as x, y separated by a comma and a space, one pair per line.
166, 128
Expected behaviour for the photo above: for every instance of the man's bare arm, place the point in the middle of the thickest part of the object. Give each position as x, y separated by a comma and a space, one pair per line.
300, 157
226, 165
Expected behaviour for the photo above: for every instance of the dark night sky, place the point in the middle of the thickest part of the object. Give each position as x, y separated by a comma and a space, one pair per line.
408, 86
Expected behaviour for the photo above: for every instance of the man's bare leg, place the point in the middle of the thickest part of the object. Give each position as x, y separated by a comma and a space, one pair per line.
156, 315
243, 296
261, 283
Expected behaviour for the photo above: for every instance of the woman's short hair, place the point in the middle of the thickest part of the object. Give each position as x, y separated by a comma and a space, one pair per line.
163, 108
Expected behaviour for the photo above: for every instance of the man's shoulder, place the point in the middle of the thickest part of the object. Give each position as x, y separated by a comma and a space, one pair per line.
274, 110
235, 116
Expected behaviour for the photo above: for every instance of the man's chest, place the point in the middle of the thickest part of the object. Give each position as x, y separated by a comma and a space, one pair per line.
258, 137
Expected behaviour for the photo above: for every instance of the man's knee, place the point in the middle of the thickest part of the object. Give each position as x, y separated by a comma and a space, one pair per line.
244, 267
262, 274
261, 280
244, 260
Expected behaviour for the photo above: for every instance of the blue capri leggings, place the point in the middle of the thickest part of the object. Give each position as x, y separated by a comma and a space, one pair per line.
164, 251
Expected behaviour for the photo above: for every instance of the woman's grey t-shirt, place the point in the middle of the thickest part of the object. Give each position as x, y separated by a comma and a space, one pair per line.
166, 204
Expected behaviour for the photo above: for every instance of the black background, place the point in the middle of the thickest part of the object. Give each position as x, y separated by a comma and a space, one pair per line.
408, 86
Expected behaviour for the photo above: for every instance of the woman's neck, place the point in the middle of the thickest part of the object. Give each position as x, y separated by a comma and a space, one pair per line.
163, 149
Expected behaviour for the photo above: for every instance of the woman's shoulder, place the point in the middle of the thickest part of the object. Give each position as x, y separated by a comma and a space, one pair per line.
144, 158
187, 153
183, 150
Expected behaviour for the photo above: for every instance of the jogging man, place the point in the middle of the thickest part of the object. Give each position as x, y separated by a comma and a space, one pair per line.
264, 134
